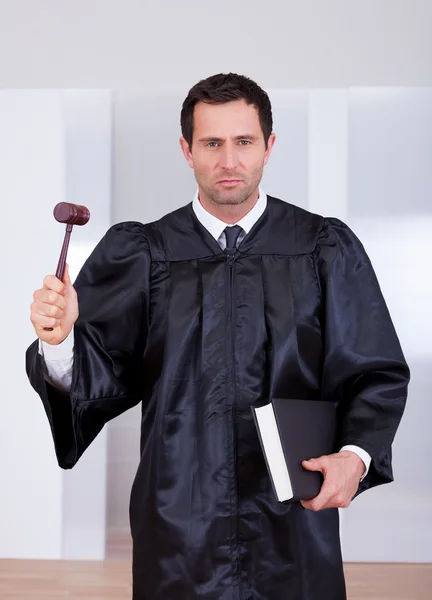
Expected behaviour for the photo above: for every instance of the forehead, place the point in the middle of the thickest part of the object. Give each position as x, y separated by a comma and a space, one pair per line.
229, 119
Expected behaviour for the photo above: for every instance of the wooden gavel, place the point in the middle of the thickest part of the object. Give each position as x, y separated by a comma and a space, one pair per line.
71, 214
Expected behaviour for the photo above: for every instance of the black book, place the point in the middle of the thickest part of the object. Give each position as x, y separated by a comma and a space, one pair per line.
291, 431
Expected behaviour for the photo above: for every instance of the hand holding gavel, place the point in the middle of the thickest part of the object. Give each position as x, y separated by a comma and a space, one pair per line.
55, 306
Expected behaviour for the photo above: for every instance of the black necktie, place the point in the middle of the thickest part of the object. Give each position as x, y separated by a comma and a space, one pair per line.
232, 234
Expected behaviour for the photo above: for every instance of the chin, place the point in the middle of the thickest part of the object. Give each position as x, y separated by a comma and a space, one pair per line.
228, 201
233, 198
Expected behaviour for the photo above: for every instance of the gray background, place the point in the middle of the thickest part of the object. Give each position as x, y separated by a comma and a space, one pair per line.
169, 44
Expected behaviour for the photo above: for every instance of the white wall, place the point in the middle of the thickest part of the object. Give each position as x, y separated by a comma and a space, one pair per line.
170, 44
31, 181
389, 204
54, 146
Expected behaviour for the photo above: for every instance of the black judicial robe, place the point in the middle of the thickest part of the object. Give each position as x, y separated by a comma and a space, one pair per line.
168, 320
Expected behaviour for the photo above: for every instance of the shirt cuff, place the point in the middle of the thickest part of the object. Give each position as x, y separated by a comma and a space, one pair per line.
366, 458
62, 351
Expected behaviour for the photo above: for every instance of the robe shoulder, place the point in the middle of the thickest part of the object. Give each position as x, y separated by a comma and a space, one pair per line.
301, 231
284, 228
124, 238
122, 253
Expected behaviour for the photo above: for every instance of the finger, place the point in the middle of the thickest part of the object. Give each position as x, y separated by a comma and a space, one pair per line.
51, 282
66, 277
314, 464
326, 496
324, 499
49, 297
40, 321
315, 504
47, 310
69, 289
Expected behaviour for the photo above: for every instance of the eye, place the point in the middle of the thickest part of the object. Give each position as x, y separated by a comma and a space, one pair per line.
245, 142
212, 144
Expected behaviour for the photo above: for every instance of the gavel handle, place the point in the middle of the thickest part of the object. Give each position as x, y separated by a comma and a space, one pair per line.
62, 260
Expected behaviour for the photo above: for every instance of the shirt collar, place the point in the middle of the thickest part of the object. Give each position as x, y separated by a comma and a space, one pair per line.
216, 227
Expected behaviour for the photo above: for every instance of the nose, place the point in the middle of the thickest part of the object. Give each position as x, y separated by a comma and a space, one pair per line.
228, 159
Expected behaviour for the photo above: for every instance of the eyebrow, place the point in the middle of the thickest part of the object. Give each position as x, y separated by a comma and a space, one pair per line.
218, 139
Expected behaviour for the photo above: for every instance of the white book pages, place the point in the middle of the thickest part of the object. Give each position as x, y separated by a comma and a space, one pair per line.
273, 451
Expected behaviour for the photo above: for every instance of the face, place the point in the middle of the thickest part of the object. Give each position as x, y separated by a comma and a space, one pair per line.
228, 152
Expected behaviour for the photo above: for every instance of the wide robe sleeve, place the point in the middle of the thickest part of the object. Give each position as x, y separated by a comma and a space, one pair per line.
364, 368
109, 340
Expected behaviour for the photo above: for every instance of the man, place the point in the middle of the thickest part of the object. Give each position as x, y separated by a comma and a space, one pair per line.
219, 306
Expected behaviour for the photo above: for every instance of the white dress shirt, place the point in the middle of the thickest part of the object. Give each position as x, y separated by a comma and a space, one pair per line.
58, 360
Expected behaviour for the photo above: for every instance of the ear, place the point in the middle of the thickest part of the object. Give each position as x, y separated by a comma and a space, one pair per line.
186, 151
270, 144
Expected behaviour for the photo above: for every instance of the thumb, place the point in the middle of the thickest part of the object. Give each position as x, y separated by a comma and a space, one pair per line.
66, 278
312, 464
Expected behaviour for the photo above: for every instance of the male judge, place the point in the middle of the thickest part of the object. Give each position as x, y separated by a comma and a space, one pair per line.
219, 306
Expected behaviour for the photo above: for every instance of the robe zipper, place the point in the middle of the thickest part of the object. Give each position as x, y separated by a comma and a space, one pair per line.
232, 389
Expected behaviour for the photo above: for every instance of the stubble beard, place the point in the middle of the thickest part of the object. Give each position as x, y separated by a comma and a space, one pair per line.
233, 197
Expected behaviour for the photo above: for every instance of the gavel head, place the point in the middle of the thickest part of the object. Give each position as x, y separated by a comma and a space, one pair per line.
71, 214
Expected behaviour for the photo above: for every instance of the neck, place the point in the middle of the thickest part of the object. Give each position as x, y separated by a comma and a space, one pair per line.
228, 213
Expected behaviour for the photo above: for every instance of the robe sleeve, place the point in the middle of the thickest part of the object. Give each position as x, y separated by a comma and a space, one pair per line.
364, 369
110, 336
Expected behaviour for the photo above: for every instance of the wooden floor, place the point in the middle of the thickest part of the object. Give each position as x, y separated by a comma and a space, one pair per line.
111, 580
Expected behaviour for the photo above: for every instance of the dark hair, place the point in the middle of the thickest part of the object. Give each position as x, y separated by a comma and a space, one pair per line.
222, 88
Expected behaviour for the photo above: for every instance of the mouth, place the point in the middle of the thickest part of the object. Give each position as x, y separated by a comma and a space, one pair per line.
230, 181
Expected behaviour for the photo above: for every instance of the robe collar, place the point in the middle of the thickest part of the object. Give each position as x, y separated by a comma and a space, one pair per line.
216, 227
